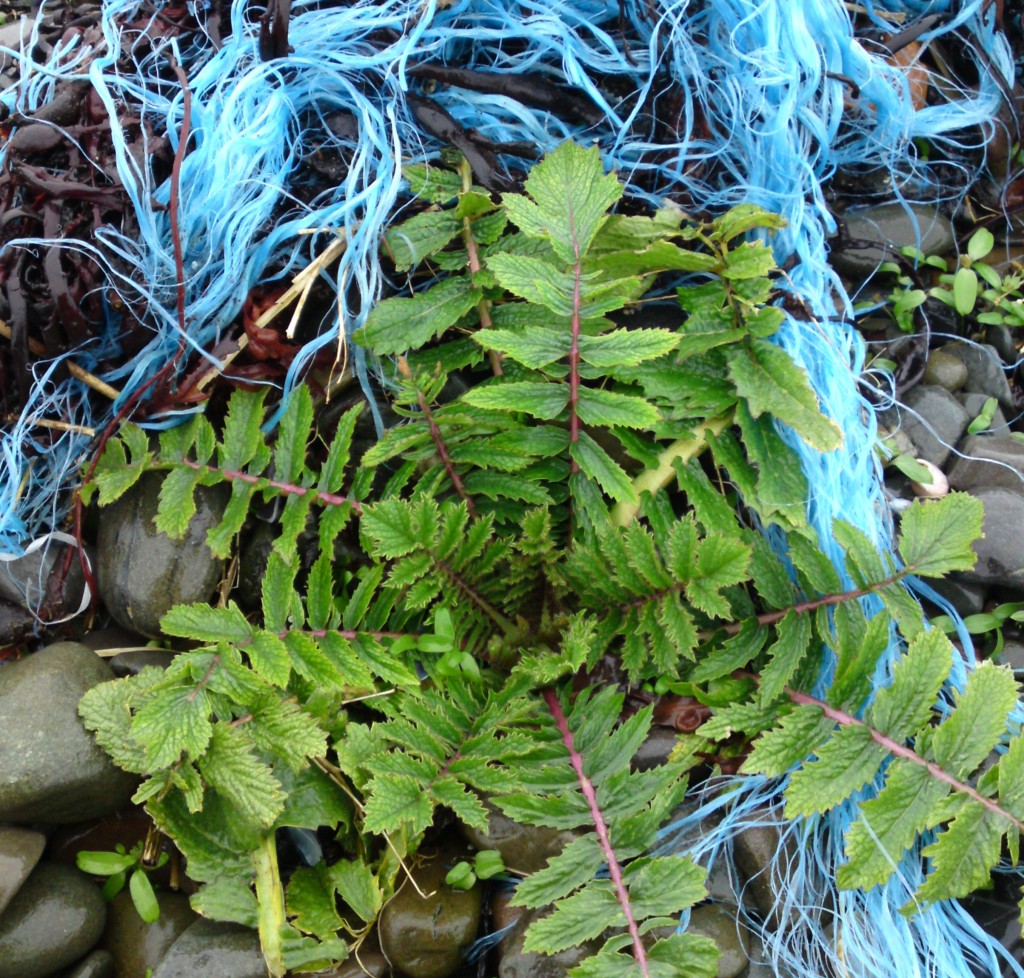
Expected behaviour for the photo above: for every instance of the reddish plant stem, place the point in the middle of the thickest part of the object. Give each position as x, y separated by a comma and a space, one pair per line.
483, 307
901, 750
205, 679
587, 787
289, 488
435, 437
175, 201
349, 633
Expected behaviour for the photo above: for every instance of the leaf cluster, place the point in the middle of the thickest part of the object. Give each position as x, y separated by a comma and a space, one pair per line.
568, 491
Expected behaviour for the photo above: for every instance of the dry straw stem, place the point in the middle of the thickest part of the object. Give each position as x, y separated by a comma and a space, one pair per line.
79, 373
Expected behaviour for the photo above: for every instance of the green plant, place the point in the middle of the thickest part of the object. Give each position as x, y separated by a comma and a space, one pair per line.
125, 866
589, 495
972, 288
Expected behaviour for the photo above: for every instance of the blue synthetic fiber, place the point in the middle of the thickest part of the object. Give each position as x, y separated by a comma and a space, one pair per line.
753, 99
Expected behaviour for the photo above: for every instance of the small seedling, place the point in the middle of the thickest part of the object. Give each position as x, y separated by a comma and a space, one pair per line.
119, 867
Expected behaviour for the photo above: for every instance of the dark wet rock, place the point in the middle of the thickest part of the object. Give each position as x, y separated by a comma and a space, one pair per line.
214, 950
968, 598
1012, 655
524, 848
252, 564
1001, 551
654, 751
20, 850
934, 420
427, 937
52, 769
136, 945
945, 370
758, 851
143, 573
991, 461
1005, 341
985, 374
719, 922
25, 580
99, 964
16, 624
55, 918
889, 227
999, 915
974, 404
133, 662
516, 963
113, 637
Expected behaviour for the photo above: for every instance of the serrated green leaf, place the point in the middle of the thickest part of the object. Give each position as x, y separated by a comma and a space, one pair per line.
745, 217
889, 824
421, 236
578, 918
396, 801
358, 887
278, 592
229, 899
595, 463
752, 259
332, 475
565, 872
664, 886
171, 722
848, 761
177, 503
309, 898
432, 183
202, 623
533, 347
396, 325
937, 536
242, 437
795, 738
232, 769
979, 719
772, 383
269, 657
962, 857
221, 538
293, 435
786, 653
906, 705
721, 561
279, 727
539, 400
105, 709
626, 347
571, 195
608, 409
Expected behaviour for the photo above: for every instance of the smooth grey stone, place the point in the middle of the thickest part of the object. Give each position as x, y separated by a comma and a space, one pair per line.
655, 749
937, 423
974, 404
257, 546
142, 573
214, 950
988, 461
760, 851
945, 370
523, 848
985, 374
1001, 550
891, 227
133, 662
20, 850
1004, 339
52, 770
56, 918
966, 597
24, 580
1012, 655
427, 937
719, 922
99, 964
135, 945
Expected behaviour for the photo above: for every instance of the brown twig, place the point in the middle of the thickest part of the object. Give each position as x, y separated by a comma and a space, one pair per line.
79, 373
